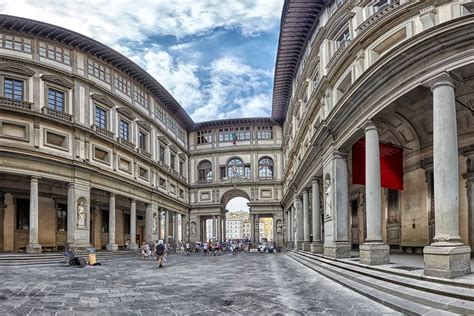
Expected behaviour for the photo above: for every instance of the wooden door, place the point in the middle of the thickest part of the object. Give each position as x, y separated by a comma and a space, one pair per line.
393, 218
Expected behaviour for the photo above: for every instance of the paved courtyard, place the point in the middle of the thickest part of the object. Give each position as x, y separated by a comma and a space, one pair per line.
244, 284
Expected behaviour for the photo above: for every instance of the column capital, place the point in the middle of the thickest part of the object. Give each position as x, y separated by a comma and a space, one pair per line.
111, 194
316, 180
34, 178
442, 79
369, 126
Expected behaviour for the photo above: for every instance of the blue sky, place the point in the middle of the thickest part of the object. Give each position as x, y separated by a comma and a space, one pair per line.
216, 57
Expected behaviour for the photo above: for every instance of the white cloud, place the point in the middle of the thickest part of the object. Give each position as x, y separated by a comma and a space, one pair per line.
111, 22
227, 87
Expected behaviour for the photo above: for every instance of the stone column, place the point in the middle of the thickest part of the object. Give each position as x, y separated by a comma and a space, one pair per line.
299, 223
336, 197
252, 228
112, 246
447, 256
257, 228
224, 228
316, 245
167, 223
219, 228
33, 245
469, 176
148, 222
175, 227
373, 251
159, 234
133, 225
214, 226
306, 241
292, 227
2, 219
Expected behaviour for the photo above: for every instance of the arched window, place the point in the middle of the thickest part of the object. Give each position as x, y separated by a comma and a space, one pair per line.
235, 168
265, 168
205, 171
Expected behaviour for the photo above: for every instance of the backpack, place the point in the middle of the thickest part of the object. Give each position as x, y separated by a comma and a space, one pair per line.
160, 249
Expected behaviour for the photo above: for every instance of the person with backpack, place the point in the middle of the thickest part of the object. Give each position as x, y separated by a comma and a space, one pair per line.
160, 253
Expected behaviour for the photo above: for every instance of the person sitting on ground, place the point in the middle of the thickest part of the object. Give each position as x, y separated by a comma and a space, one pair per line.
127, 244
160, 253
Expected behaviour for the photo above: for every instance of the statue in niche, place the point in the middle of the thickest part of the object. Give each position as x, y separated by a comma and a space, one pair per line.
328, 195
155, 223
279, 227
187, 229
81, 213
193, 229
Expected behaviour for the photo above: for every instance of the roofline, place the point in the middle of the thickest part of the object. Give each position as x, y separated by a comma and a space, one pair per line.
283, 78
101, 51
233, 122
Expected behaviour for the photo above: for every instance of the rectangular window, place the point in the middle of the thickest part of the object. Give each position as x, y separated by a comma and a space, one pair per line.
162, 153
264, 132
13, 89
16, 43
55, 53
142, 140
204, 137
56, 100
61, 214
98, 70
124, 129
181, 167
172, 161
343, 38
100, 117
122, 84
22, 214
160, 114
222, 172
247, 171
139, 97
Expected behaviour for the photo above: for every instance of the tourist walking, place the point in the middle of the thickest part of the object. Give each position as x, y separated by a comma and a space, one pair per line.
145, 250
160, 253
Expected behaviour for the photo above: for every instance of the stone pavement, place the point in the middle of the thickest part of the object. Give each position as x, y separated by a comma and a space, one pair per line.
243, 284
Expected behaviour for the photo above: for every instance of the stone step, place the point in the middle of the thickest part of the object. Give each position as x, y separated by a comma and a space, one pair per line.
446, 289
56, 258
399, 304
419, 296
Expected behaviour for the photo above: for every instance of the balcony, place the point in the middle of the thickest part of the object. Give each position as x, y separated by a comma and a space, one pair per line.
145, 153
15, 103
103, 131
338, 53
383, 10
126, 143
57, 114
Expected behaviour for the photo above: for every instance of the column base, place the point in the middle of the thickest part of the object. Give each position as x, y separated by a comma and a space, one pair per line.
374, 253
316, 247
447, 262
111, 247
33, 248
338, 250
298, 245
133, 247
306, 246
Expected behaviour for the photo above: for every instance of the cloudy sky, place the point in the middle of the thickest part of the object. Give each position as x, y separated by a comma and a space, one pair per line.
216, 57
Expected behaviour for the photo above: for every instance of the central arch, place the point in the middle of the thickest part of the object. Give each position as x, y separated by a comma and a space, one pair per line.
233, 193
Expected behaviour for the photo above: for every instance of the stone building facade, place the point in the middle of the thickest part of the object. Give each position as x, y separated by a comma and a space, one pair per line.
395, 72
95, 151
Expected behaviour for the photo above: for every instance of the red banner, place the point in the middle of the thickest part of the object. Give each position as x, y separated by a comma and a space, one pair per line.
391, 165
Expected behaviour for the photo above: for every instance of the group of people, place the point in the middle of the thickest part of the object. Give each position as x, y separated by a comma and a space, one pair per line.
155, 251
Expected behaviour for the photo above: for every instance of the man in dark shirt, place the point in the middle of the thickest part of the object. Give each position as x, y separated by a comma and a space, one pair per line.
160, 253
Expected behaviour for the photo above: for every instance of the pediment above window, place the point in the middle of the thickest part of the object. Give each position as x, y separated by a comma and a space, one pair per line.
163, 139
182, 155
103, 100
174, 148
144, 125
16, 68
58, 81
126, 112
